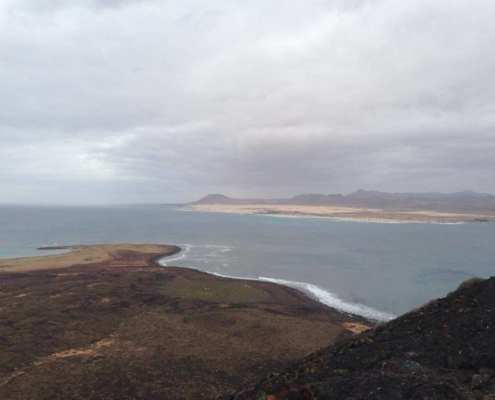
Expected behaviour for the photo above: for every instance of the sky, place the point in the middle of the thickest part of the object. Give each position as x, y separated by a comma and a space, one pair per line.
127, 101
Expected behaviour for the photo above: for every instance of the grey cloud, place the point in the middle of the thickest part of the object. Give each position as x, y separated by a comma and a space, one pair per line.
254, 99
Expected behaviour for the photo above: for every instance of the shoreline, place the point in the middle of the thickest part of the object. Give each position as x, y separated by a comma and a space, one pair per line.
104, 310
312, 292
126, 258
345, 214
94, 256
129, 257
79, 256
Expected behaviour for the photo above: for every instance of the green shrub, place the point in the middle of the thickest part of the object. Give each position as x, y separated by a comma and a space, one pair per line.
470, 282
340, 371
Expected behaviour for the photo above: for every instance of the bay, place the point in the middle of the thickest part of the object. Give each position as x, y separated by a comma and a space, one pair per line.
378, 270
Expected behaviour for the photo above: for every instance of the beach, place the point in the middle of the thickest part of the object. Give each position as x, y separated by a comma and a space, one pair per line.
347, 213
109, 321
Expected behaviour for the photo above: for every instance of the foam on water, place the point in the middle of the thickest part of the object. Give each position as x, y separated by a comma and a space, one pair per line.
182, 255
199, 255
333, 301
232, 277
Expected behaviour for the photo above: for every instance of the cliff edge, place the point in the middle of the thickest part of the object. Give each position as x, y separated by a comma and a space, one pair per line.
444, 350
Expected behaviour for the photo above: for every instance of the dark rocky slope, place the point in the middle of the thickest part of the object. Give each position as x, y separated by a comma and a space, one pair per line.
445, 350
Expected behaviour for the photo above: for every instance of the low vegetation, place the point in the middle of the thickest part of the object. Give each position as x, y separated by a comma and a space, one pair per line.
149, 333
444, 350
468, 283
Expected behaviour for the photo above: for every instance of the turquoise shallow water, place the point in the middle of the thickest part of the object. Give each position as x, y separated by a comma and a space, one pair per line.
374, 269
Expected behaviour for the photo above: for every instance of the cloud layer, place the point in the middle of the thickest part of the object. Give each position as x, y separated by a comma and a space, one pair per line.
163, 101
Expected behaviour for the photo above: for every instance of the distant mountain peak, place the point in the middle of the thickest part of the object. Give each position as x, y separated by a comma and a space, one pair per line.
366, 194
213, 198
361, 197
216, 196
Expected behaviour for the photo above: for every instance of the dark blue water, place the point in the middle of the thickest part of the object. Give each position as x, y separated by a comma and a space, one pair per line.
369, 266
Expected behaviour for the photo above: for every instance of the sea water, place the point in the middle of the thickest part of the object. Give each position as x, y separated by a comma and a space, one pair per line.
378, 270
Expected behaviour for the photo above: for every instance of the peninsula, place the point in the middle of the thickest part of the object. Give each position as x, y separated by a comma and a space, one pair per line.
107, 321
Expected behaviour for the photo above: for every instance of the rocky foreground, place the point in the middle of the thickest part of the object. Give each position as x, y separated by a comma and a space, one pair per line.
444, 350
106, 322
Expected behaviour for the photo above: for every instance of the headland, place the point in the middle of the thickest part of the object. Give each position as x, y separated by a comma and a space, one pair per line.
107, 321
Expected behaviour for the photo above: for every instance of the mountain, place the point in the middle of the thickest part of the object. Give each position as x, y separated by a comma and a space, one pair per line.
315, 199
363, 194
465, 200
444, 350
214, 199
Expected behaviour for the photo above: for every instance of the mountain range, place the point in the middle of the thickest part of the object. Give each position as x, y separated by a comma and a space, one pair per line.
465, 200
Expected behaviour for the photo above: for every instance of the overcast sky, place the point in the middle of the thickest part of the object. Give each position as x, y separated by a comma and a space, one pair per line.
125, 101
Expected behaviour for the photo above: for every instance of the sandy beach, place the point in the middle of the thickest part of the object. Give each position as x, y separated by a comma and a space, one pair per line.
346, 213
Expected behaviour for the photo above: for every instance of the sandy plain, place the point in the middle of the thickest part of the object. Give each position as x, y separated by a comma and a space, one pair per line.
111, 254
347, 213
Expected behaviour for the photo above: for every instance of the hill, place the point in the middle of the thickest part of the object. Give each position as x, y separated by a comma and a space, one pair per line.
362, 205
459, 201
444, 350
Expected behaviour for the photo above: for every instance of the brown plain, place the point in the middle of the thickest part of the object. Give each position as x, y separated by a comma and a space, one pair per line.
106, 321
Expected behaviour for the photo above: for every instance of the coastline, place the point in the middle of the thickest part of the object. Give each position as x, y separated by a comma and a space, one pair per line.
124, 258
351, 214
103, 310
97, 255
313, 292
141, 257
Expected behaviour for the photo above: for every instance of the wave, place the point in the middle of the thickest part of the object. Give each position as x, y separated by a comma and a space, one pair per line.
320, 294
333, 301
199, 253
182, 255
232, 277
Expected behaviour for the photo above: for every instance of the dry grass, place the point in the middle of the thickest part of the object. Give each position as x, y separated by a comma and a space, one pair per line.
93, 332
81, 255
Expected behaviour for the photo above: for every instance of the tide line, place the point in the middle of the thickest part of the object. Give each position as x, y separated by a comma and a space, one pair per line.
333, 301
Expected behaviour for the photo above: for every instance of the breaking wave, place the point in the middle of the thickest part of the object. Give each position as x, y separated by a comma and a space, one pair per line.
208, 258
333, 301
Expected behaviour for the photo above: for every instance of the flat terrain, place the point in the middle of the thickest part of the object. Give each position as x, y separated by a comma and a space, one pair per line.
351, 213
93, 256
105, 322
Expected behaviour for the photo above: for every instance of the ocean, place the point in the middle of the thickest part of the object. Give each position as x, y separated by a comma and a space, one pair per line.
377, 270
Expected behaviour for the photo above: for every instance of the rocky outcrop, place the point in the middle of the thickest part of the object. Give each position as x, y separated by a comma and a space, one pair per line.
444, 350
